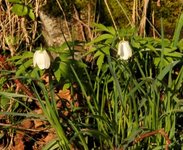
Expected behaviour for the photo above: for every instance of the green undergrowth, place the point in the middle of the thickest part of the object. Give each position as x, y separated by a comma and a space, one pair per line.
120, 100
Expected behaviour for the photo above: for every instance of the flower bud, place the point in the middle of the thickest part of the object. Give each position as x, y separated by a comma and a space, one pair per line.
41, 59
124, 50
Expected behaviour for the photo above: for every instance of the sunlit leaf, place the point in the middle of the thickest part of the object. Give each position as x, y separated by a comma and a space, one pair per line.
20, 9
31, 14
101, 38
101, 27
100, 61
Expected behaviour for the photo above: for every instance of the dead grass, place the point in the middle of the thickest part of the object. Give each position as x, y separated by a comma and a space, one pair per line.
16, 31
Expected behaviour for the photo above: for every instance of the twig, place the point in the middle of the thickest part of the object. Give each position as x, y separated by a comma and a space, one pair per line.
148, 134
22, 128
21, 86
106, 3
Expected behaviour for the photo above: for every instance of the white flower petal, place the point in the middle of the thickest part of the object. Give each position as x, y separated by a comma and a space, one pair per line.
41, 59
124, 50
35, 59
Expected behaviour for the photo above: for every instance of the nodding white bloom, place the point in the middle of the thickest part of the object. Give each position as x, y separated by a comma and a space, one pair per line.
124, 50
41, 59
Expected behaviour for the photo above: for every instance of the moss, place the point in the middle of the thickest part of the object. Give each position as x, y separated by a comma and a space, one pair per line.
81, 4
118, 14
52, 8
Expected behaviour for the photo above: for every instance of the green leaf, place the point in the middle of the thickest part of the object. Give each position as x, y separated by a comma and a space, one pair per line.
31, 14
4, 102
101, 38
180, 45
65, 69
166, 70
177, 31
97, 54
36, 73
151, 47
105, 50
179, 79
23, 67
2, 80
174, 54
57, 74
135, 44
100, 61
101, 27
12, 95
20, 10
19, 59
66, 86
51, 145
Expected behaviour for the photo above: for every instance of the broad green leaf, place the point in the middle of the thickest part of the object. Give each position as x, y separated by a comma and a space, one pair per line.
65, 70
98, 53
101, 38
101, 27
20, 9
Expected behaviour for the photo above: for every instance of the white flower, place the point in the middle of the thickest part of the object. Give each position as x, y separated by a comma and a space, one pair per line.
41, 59
124, 50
